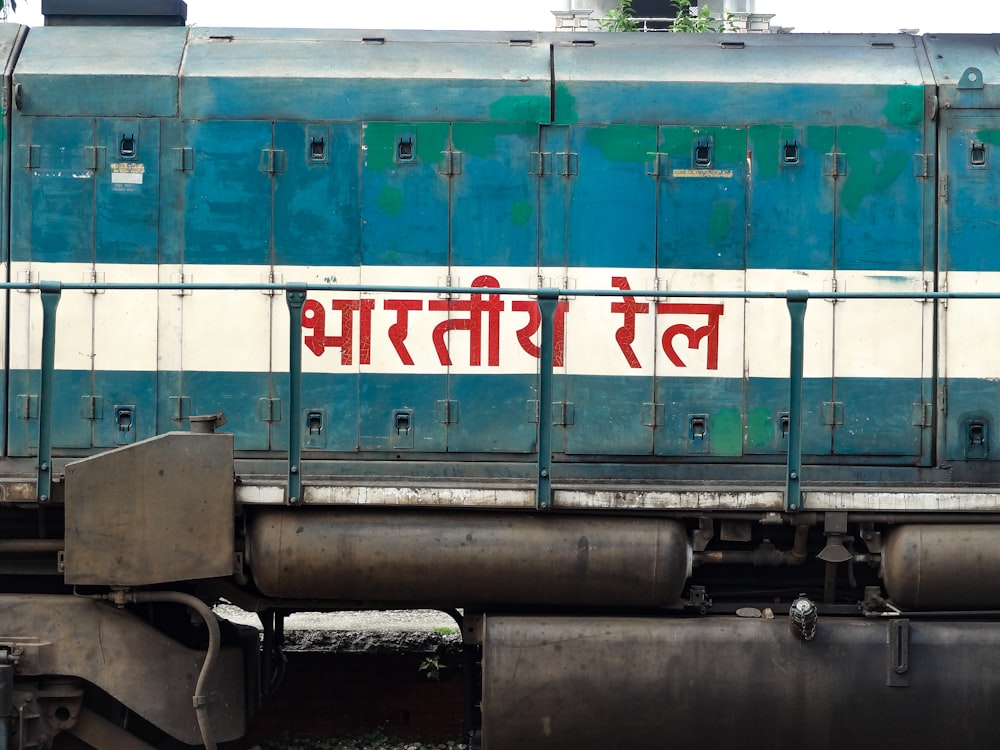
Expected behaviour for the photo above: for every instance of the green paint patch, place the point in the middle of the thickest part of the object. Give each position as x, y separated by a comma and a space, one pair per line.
382, 141
727, 433
390, 201
485, 139
566, 112
760, 428
720, 222
533, 109
766, 144
871, 167
905, 106
991, 137
521, 212
624, 143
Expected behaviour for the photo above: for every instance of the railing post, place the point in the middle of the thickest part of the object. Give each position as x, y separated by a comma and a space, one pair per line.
548, 300
797, 300
51, 291
295, 297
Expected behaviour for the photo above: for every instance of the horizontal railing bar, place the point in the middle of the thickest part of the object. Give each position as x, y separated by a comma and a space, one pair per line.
507, 291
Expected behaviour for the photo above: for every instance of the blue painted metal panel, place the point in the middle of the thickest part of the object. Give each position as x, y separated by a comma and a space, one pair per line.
495, 413
52, 213
70, 427
612, 196
101, 72
711, 79
702, 203
880, 165
331, 402
313, 75
969, 212
791, 199
613, 416
419, 397
702, 417
135, 391
404, 198
317, 202
243, 397
494, 198
553, 200
227, 193
766, 402
973, 402
128, 192
879, 417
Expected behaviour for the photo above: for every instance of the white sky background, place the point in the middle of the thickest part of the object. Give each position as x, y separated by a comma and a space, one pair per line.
948, 16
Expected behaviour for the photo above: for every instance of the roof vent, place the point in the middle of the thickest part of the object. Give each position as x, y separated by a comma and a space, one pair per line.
114, 12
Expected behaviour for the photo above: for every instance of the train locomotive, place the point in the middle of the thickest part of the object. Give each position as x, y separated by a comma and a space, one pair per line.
647, 354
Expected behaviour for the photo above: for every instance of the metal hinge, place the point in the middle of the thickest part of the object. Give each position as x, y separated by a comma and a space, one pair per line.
567, 163
451, 163
446, 411
835, 165
923, 415
272, 160
923, 165
658, 164
185, 159
541, 163
94, 157
27, 277
943, 400
180, 408
653, 414
943, 188
269, 409
91, 276
563, 412
272, 278
833, 413
92, 408
26, 406
32, 156
181, 278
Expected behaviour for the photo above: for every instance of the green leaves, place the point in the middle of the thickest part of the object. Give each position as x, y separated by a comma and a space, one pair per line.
620, 18
698, 21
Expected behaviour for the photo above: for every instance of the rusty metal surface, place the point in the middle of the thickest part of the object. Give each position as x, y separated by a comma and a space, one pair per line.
99, 643
465, 558
943, 566
157, 511
727, 682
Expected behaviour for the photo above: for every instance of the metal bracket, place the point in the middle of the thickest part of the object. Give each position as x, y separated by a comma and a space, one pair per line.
898, 653
971, 79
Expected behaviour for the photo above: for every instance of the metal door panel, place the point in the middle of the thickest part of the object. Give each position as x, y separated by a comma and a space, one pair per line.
494, 241
790, 245
404, 240
880, 345
701, 224
404, 195
227, 192
317, 202
969, 203
610, 347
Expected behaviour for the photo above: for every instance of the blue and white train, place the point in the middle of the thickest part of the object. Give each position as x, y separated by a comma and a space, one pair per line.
667, 359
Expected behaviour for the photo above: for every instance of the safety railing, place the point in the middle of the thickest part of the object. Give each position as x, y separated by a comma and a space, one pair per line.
547, 299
